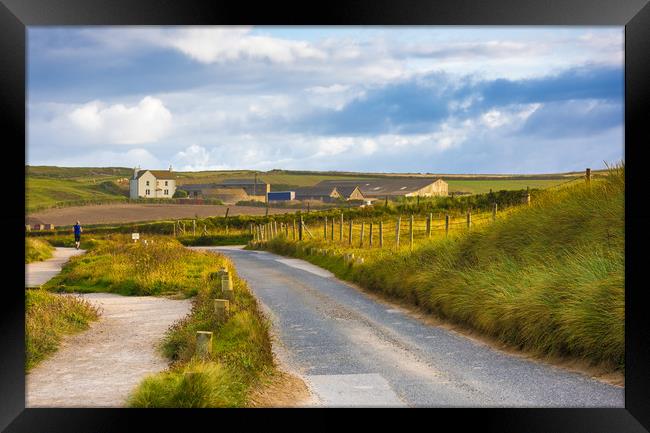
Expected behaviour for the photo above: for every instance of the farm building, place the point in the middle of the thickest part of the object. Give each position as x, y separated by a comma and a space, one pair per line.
226, 195
281, 196
255, 189
152, 184
328, 193
393, 186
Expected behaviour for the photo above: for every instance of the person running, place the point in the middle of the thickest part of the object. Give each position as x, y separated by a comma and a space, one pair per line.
77, 234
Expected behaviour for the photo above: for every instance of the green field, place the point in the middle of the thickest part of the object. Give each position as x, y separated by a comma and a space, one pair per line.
65, 186
43, 193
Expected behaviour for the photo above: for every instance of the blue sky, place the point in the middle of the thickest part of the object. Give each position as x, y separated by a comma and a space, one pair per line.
438, 99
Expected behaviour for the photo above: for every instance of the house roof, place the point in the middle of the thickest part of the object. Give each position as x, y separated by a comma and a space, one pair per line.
347, 190
382, 187
158, 174
315, 191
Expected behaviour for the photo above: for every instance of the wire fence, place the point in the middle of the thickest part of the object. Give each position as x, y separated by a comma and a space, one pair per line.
400, 232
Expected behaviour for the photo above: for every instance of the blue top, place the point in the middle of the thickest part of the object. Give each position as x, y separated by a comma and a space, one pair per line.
77, 229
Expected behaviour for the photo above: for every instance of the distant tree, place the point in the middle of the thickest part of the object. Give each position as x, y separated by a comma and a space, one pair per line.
180, 193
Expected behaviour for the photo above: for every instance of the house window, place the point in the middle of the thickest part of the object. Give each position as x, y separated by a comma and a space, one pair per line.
147, 192
166, 192
166, 184
147, 183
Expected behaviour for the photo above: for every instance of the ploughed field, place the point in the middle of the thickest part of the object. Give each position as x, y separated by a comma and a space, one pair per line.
124, 213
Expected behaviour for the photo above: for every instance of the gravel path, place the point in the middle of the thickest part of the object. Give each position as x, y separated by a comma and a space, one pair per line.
37, 273
100, 366
355, 351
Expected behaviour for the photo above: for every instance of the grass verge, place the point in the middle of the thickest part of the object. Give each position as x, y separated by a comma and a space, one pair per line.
547, 279
241, 354
48, 317
37, 250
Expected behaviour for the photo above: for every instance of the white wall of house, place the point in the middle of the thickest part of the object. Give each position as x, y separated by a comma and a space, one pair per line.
165, 188
147, 186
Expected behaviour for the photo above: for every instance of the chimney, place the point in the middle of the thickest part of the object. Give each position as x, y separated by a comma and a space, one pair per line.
135, 172
170, 168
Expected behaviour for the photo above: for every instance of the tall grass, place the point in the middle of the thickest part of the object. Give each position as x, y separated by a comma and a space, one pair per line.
548, 278
48, 317
120, 266
37, 250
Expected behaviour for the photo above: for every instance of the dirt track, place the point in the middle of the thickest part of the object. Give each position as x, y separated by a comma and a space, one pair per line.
124, 213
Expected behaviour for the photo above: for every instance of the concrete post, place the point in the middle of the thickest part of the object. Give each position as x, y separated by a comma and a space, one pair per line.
221, 309
203, 343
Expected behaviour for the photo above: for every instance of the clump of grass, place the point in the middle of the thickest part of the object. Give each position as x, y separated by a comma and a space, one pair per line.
241, 354
548, 278
48, 317
120, 266
37, 250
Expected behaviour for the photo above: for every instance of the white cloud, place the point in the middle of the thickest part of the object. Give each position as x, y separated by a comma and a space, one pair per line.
197, 158
219, 44
146, 122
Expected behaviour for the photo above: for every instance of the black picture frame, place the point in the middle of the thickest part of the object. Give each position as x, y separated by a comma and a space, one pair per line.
15, 15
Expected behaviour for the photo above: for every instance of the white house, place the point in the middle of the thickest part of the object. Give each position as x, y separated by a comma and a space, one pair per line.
152, 184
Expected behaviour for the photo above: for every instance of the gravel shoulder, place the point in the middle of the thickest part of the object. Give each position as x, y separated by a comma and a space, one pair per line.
37, 273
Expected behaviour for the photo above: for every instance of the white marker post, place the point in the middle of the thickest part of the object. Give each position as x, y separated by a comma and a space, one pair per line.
135, 236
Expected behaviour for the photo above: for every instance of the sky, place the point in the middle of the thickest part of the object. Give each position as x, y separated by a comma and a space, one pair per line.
421, 99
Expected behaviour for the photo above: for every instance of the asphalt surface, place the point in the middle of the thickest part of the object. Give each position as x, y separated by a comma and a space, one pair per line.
354, 351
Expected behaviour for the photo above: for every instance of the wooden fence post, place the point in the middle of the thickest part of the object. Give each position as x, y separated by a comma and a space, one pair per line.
588, 177
300, 229
429, 221
361, 237
494, 212
397, 227
469, 219
370, 237
381, 234
193, 227
527, 196
332, 229
341, 229
446, 225
411, 232
325, 229
174, 225
350, 233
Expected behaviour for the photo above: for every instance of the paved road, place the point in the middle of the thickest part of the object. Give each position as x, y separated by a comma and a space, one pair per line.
354, 351
37, 273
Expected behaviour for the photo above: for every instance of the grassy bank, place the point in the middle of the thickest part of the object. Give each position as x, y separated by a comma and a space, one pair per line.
48, 317
241, 355
37, 250
548, 278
